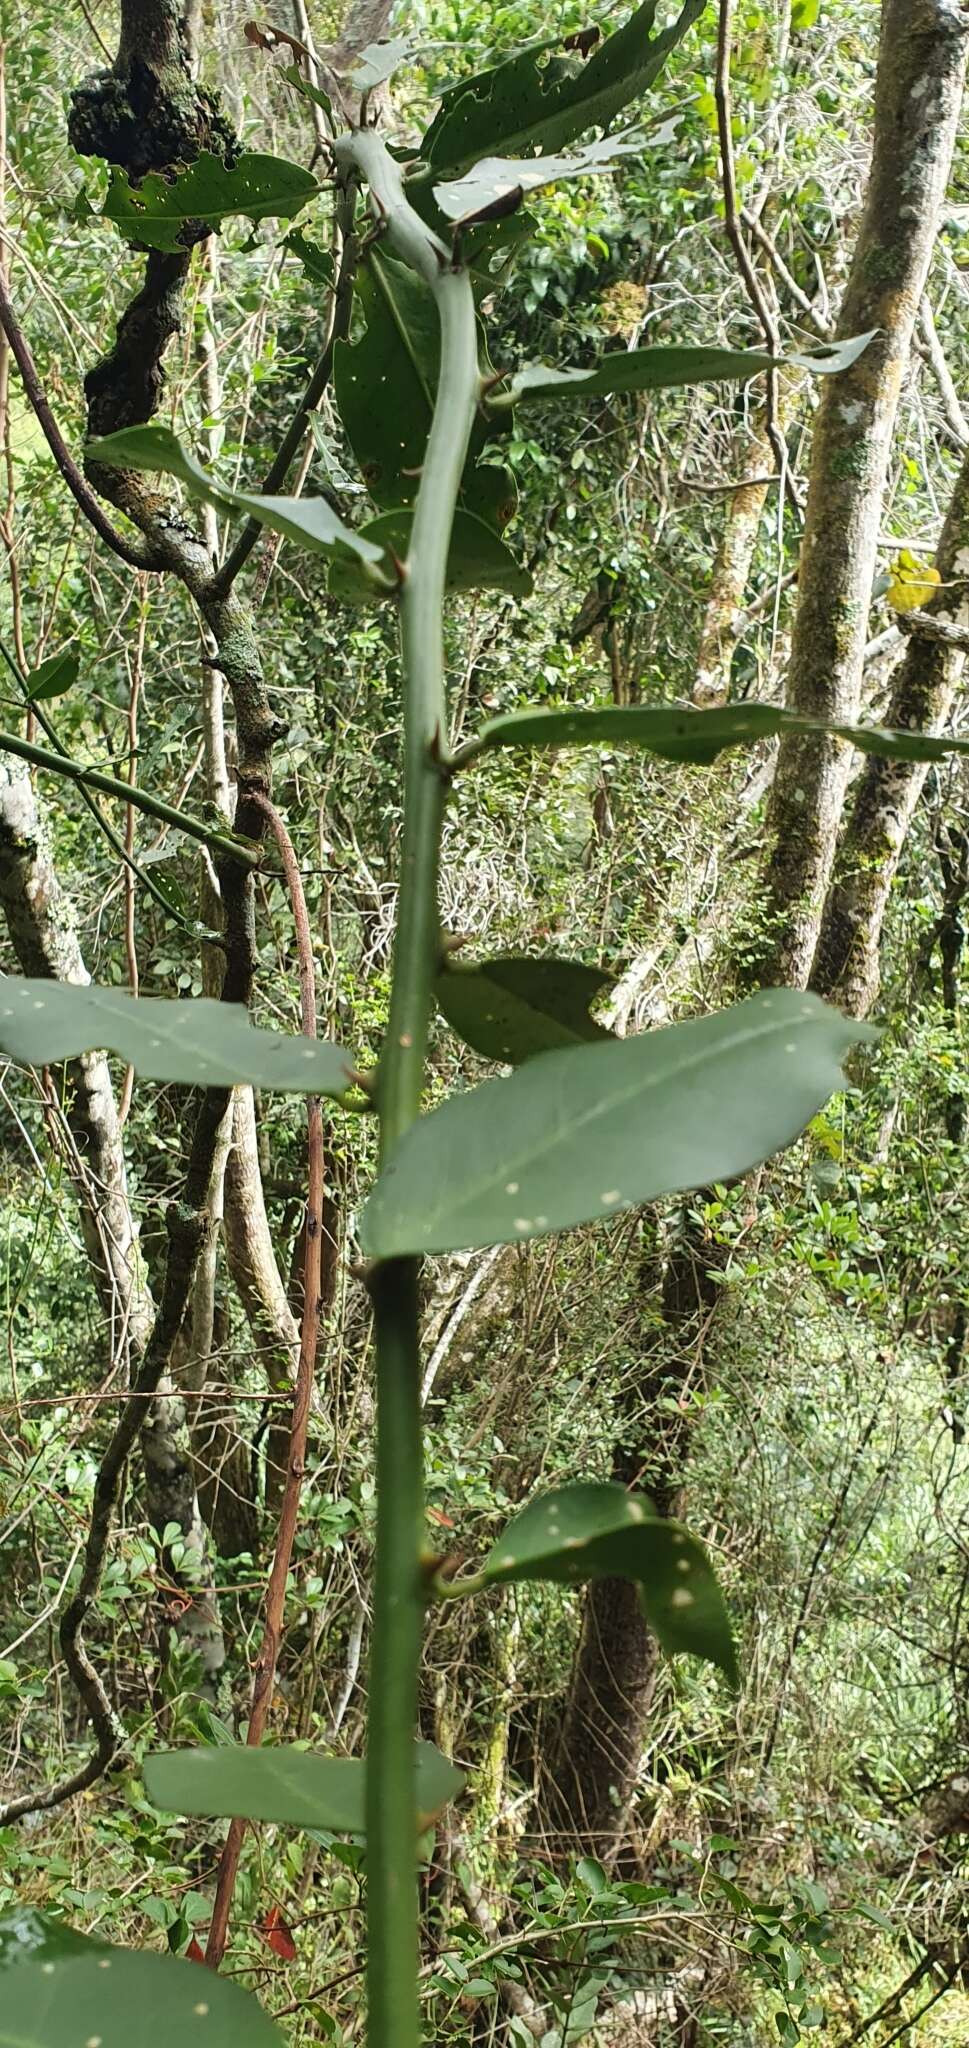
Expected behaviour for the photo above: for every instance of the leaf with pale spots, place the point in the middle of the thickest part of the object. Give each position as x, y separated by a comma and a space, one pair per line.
199, 1041
121, 1998
282, 1783
582, 1133
595, 1531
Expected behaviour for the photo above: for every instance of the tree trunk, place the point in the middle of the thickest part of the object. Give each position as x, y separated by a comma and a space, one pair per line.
846, 966
918, 95
731, 567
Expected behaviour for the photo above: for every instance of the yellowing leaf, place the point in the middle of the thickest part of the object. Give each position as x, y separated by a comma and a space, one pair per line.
912, 582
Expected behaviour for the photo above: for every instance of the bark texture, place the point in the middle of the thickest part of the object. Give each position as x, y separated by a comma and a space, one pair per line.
735, 552
924, 688
921, 67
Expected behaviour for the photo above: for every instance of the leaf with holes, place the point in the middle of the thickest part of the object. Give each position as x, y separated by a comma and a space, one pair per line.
385, 383
537, 100
497, 178
317, 263
682, 734
580, 1134
508, 1009
124, 1999
52, 677
159, 214
478, 558
662, 369
204, 1043
591, 1531
310, 522
289, 1785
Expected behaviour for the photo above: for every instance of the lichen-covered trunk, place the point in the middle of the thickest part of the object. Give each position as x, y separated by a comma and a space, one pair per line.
918, 93
735, 552
924, 687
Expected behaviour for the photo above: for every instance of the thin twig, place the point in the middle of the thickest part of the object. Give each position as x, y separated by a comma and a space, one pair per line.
133, 552
262, 1686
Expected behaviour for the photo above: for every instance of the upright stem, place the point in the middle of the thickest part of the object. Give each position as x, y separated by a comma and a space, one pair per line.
399, 1586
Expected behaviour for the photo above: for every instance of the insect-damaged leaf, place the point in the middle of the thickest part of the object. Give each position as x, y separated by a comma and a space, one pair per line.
478, 558
661, 369
163, 215
535, 100
310, 522
124, 1999
199, 1041
508, 1009
580, 1134
385, 383
593, 1531
497, 178
282, 1783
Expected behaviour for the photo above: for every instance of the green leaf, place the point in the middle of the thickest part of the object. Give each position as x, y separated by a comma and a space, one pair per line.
310, 522
286, 1784
595, 1531
661, 369
163, 215
683, 734
198, 1041
316, 262
478, 558
497, 178
378, 62
52, 677
508, 1009
522, 105
385, 383
27, 1935
583, 1133
123, 1999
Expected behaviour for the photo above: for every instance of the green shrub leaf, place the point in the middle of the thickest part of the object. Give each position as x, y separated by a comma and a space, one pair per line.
584, 1133
682, 734
29, 1936
170, 215
310, 522
288, 1785
509, 1009
478, 558
52, 677
661, 369
123, 1999
591, 1531
199, 1041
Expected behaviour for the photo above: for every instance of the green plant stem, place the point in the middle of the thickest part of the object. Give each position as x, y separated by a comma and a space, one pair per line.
400, 1587
129, 793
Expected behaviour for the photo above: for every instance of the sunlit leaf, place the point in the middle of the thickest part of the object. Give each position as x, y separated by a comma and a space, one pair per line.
537, 101
285, 1784
679, 733
123, 1999
498, 177
659, 369
378, 62
478, 558
508, 1009
198, 1041
163, 214
593, 1531
580, 1134
310, 522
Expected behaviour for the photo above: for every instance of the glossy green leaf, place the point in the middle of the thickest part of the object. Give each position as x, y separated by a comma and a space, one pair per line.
497, 178
537, 101
316, 262
508, 1009
29, 1936
125, 1999
660, 369
160, 214
288, 1785
680, 733
593, 1531
576, 1135
199, 1041
310, 522
478, 558
385, 383
52, 677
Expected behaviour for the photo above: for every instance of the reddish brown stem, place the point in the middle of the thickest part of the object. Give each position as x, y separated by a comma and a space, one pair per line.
262, 1686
